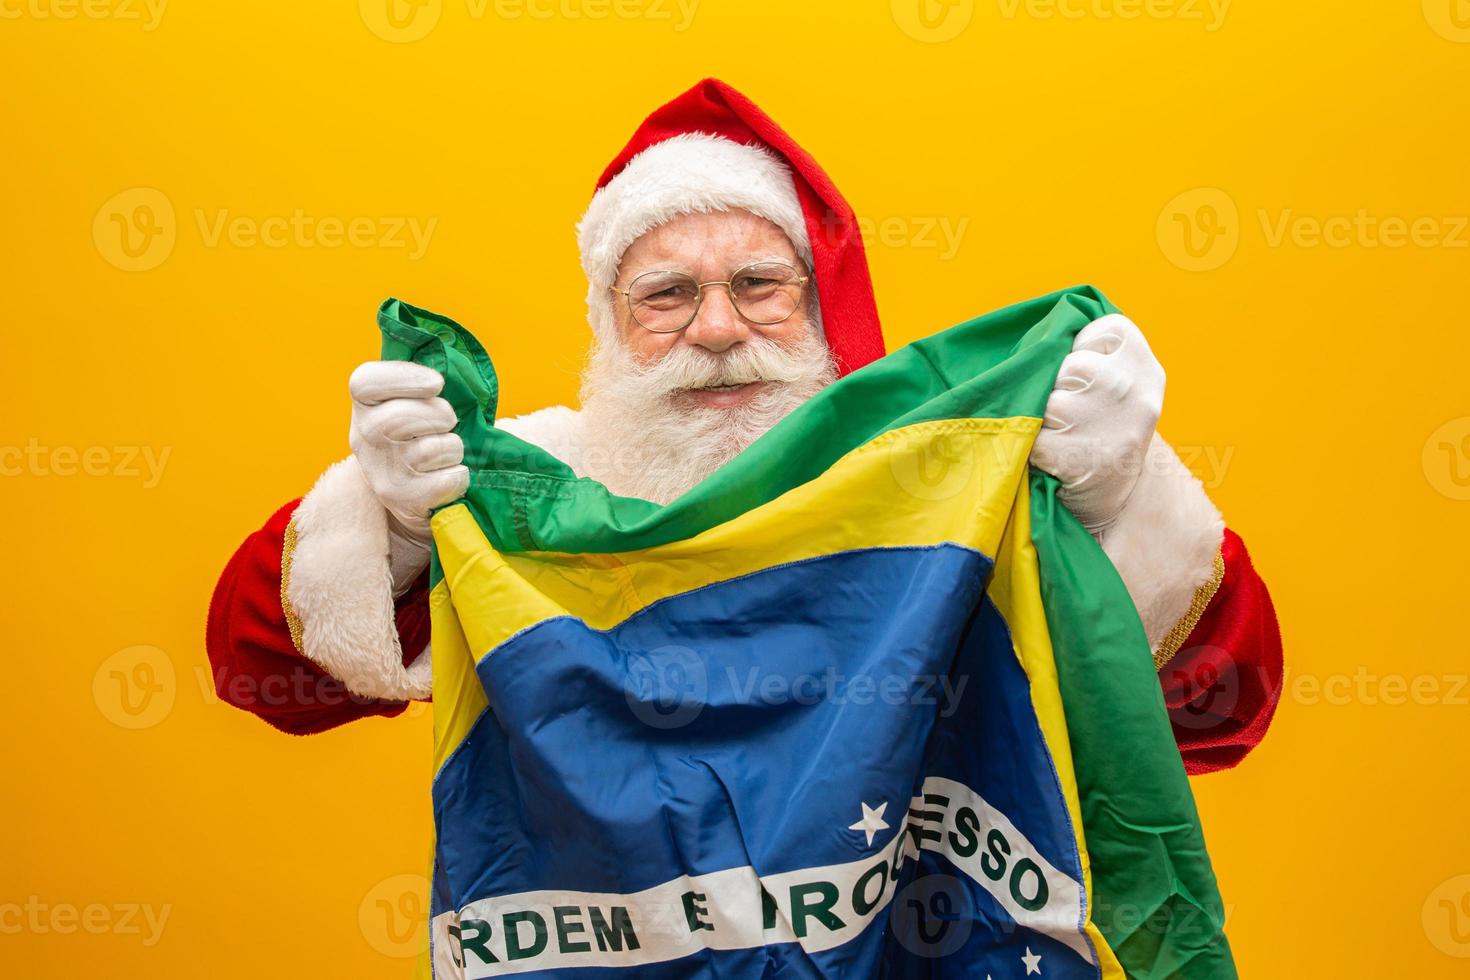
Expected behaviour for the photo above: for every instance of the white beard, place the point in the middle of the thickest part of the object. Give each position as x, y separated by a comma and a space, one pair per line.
641, 439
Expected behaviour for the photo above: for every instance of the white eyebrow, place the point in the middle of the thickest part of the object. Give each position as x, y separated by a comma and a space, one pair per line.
783, 259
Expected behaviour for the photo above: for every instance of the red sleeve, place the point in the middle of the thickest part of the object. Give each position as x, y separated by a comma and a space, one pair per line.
256, 665
1223, 684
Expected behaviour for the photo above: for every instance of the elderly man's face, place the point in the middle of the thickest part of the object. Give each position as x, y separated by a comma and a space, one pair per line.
661, 411
710, 247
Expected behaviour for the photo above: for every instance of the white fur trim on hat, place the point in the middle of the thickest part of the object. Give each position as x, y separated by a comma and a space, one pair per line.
688, 173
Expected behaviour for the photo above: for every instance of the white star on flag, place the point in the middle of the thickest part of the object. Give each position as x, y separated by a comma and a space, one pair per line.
872, 821
1032, 961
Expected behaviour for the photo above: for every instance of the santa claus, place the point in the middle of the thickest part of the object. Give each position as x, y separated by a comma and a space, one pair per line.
726, 284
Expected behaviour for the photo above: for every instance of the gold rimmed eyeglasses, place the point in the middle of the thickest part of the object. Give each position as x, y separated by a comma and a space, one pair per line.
762, 292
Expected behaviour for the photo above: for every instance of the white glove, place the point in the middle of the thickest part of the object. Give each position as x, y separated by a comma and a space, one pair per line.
1100, 419
402, 435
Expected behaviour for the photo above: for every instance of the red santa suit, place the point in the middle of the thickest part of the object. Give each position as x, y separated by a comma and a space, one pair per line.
304, 629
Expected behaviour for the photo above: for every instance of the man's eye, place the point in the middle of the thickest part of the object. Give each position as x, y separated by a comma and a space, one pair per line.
665, 297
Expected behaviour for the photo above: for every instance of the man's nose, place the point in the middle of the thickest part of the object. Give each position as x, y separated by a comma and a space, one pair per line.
718, 326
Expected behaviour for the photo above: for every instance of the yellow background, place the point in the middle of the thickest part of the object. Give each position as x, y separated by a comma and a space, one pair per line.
1319, 389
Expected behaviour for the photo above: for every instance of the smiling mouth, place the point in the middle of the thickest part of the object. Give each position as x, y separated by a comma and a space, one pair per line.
724, 396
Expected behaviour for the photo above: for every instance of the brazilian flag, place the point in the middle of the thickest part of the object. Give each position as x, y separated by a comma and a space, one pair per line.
866, 702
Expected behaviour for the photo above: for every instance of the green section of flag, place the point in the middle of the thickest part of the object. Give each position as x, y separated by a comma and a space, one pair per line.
999, 365
1153, 890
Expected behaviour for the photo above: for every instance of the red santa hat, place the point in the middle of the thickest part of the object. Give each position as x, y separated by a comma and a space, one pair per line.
712, 149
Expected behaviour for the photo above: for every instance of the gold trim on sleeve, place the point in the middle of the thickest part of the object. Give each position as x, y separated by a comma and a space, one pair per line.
293, 621
1175, 639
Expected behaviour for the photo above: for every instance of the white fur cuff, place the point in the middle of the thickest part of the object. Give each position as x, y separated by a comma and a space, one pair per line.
1166, 541
339, 586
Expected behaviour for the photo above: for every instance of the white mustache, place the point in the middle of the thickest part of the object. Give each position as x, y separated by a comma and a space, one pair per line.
684, 368
644, 441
